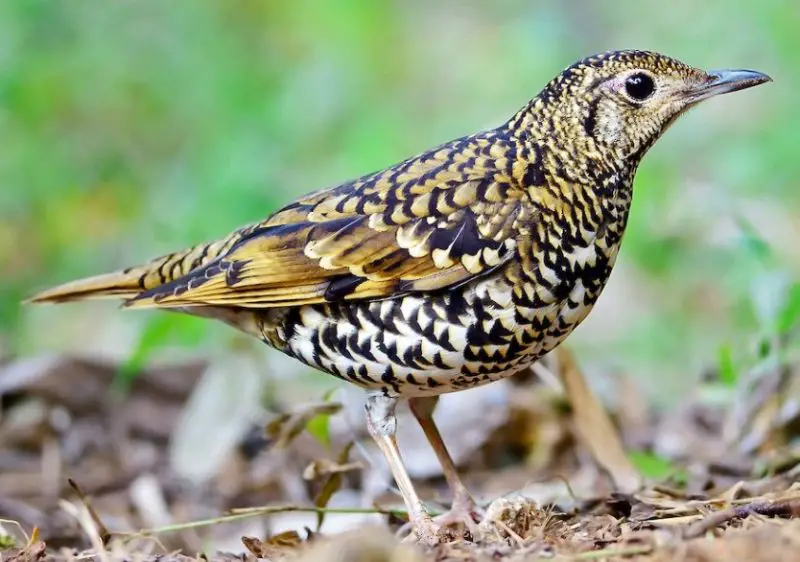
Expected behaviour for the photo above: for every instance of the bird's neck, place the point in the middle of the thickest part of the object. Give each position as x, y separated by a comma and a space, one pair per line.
566, 130
574, 171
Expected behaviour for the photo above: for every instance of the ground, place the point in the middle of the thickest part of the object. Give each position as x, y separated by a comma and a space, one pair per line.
92, 471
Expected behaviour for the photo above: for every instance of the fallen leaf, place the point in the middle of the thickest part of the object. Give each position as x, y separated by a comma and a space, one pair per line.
286, 427
31, 552
277, 546
318, 469
332, 484
594, 427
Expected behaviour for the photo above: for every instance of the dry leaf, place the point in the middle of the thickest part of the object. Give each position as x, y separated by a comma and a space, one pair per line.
277, 546
286, 427
324, 467
331, 485
31, 552
594, 427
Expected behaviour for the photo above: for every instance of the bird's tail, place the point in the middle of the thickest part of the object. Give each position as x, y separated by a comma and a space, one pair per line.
127, 283
123, 284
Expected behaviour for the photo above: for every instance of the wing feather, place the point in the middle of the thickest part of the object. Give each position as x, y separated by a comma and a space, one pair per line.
426, 224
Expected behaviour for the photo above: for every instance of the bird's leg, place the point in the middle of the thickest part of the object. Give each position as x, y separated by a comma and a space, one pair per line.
463, 510
382, 425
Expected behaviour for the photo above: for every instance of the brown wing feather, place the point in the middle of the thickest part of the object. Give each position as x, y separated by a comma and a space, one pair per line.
428, 223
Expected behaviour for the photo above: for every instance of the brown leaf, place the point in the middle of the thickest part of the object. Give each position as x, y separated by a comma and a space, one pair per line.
31, 552
332, 484
324, 467
286, 427
277, 546
594, 427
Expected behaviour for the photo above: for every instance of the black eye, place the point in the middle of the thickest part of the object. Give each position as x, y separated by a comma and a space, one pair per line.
639, 86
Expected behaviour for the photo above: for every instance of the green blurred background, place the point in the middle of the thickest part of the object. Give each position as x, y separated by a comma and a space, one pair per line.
132, 128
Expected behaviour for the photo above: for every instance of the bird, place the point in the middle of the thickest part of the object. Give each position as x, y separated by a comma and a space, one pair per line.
459, 266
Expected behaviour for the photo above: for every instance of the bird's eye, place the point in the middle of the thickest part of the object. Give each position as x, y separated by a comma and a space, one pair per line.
639, 86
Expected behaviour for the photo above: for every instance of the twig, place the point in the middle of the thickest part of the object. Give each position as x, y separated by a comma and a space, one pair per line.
21, 530
102, 530
518, 539
269, 509
769, 509
247, 512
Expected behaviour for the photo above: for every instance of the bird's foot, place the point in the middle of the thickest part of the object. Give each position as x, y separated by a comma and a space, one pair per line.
459, 523
424, 532
462, 518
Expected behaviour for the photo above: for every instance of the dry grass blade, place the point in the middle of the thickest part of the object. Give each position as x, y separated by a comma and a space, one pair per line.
594, 427
28, 538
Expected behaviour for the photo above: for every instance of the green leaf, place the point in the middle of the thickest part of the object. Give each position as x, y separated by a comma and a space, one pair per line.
7, 542
319, 425
651, 465
284, 428
319, 428
727, 371
788, 317
769, 294
752, 241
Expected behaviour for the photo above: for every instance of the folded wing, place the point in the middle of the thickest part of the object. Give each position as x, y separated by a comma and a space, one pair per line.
431, 222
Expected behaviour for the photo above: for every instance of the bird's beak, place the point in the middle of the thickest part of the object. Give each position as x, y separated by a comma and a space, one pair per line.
726, 81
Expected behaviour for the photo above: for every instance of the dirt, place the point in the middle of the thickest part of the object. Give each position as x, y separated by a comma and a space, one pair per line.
88, 471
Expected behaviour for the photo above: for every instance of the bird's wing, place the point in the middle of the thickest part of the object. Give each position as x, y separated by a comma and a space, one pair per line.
431, 222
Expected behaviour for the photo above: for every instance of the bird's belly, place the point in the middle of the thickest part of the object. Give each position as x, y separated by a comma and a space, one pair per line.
414, 345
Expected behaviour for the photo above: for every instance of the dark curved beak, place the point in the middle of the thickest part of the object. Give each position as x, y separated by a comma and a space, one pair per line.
726, 81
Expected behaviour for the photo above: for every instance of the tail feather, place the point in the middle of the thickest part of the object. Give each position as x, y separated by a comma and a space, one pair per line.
128, 283
123, 284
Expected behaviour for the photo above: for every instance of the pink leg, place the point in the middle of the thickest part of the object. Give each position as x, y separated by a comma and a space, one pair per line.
464, 509
382, 424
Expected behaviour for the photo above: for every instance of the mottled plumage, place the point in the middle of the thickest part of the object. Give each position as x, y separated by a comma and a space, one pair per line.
453, 268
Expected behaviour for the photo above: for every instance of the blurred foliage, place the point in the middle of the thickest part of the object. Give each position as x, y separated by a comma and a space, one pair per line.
133, 128
655, 467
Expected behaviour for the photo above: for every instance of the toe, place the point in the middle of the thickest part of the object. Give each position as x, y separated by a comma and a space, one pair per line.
427, 533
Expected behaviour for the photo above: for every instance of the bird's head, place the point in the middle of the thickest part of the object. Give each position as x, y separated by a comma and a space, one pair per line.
624, 100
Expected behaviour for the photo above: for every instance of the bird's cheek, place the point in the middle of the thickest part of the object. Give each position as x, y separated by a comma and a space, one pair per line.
609, 125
